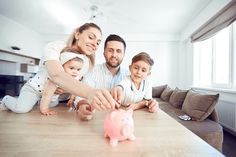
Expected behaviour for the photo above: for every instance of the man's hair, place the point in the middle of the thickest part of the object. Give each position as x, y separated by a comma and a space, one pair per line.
114, 37
143, 56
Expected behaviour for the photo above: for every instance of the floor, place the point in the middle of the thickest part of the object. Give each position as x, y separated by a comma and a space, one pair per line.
229, 144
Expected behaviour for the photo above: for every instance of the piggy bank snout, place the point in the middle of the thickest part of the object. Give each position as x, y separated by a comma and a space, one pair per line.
126, 130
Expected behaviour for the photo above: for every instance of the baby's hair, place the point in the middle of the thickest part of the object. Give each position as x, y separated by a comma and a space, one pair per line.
143, 56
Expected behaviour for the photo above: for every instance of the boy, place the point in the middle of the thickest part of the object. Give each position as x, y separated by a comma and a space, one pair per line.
137, 89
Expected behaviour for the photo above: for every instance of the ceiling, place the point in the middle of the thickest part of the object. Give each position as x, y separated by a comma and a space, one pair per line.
123, 16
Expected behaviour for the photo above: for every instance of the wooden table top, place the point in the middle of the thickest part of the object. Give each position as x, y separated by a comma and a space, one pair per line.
65, 135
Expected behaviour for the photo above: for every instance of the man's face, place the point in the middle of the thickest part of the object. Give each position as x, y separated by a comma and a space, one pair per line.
114, 53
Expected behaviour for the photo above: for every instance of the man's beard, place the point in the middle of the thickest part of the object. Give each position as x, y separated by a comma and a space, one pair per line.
113, 65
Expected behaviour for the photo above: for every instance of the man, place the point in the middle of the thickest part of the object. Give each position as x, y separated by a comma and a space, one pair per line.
106, 75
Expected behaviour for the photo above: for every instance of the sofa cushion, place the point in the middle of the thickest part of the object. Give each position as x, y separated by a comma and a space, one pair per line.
165, 95
199, 106
177, 97
156, 91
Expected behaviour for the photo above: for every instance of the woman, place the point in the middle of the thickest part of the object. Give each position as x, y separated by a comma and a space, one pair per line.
86, 40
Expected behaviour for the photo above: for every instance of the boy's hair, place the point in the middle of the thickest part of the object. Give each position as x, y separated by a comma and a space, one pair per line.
114, 37
143, 56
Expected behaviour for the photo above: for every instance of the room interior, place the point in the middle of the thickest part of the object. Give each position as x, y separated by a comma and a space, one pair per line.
161, 28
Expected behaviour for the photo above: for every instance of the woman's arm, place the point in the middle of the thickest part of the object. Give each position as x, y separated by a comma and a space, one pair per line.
98, 98
48, 92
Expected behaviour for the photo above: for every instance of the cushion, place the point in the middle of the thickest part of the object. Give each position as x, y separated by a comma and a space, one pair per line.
165, 95
177, 97
156, 91
198, 105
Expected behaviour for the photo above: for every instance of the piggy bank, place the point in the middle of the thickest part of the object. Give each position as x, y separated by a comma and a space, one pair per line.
119, 126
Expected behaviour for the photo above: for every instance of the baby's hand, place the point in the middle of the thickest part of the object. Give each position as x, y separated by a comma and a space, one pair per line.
48, 112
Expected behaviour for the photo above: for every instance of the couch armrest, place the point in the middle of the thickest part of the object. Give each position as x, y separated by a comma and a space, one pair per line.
214, 116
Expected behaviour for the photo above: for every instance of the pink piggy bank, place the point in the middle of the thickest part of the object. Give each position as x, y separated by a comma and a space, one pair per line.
119, 126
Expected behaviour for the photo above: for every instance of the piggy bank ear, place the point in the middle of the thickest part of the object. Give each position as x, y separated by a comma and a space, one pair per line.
130, 112
113, 115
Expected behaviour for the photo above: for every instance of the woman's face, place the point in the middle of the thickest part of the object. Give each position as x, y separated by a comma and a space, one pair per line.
88, 41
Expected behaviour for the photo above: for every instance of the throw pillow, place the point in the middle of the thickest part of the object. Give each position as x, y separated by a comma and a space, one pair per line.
156, 91
177, 97
165, 95
199, 106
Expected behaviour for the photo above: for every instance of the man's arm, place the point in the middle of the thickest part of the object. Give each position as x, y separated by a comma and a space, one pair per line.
48, 92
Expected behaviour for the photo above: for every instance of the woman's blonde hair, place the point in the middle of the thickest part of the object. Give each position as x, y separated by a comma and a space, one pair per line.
71, 41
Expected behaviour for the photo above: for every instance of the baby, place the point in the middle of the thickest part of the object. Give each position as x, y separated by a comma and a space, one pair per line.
40, 87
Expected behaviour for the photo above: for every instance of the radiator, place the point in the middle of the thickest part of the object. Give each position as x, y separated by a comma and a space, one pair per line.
227, 114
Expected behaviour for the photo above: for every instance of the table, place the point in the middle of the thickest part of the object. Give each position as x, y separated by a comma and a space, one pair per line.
65, 135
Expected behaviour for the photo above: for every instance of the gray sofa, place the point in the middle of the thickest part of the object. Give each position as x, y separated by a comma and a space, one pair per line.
199, 106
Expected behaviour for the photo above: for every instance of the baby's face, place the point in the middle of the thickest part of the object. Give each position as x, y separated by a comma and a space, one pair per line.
73, 67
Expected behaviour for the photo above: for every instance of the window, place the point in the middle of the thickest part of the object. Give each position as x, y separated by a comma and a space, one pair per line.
214, 60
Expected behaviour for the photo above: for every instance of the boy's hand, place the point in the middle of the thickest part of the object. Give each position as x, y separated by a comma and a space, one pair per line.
152, 105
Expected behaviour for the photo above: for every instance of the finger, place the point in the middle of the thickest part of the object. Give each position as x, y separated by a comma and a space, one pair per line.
107, 99
85, 110
114, 94
97, 103
119, 96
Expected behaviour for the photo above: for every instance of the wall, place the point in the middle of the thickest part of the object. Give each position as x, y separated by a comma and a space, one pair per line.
162, 48
15, 34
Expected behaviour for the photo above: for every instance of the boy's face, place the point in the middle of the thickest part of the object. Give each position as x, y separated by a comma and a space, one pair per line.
114, 53
73, 67
139, 71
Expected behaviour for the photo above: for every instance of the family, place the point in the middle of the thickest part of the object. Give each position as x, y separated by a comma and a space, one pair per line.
70, 68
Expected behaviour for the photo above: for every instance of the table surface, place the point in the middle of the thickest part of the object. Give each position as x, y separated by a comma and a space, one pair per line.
65, 135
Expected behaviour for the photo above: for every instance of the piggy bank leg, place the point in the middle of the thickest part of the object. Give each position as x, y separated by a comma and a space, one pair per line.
105, 135
132, 137
113, 142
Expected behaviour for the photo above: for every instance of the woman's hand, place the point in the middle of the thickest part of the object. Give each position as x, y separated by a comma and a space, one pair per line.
152, 105
101, 99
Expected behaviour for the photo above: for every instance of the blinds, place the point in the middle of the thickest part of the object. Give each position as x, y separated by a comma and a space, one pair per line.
222, 19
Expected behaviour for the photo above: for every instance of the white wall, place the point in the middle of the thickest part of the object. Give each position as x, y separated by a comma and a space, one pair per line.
15, 34
164, 49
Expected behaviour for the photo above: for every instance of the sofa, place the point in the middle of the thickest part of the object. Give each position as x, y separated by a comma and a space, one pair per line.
199, 106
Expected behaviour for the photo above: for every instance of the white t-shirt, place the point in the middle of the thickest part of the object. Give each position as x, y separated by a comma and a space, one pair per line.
134, 95
100, 77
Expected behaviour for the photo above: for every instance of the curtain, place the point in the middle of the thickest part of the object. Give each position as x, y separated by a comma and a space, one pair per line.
222, 19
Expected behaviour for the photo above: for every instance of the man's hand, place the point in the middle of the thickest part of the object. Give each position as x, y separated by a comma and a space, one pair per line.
117, 94
85, 110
